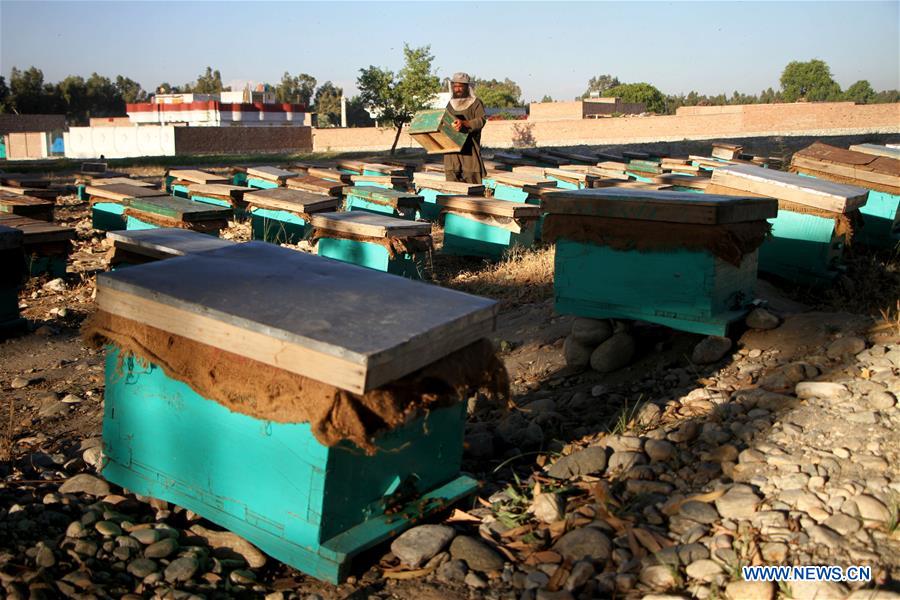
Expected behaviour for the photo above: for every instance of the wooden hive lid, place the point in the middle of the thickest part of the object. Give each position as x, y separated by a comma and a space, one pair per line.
179, 208
100, 181
383, 168
656, 205
270, 173
341, 324
391, 179
316, 185
367, 224
218, 189
196, 176
165, 242
439, 184
383, 196
329, 174
35, 231
520, 179
824, 195
8, 199
877, 150
119, 192
489, 206
290, 200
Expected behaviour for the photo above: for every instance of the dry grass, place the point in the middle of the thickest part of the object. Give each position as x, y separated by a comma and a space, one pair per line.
871, 285
524, 276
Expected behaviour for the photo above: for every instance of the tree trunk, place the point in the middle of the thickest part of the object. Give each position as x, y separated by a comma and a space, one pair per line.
396, 138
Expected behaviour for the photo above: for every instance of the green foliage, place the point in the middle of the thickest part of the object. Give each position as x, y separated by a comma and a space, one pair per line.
810, 80
396, 98
4, 96
130, 90
498, 94
860, 92
601, 84
357, 115
546, 98
639, 92
208, 83
298, 89
328, 105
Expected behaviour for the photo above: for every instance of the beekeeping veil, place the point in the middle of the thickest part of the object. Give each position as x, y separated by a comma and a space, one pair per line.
461, 104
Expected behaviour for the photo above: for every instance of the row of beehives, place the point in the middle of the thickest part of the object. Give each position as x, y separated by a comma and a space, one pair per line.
252, 320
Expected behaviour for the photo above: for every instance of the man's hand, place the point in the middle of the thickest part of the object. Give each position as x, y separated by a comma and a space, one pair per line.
457, 124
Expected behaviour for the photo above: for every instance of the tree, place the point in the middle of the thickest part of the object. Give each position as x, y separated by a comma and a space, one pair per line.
297, 89
887, 96
208, 83
860, 92
328, 105
357, 115
27, 91
639, 92
73, 92
104, 99
397, 98
4, 96
129, 90
600, 84
810, 81
498, 94
546, 98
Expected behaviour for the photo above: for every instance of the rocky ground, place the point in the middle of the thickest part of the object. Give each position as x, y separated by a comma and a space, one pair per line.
636, 461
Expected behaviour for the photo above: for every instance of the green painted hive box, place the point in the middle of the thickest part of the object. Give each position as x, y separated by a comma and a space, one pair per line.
221, 194
170, 211
402, 205
380, 242
46, 245
433, 130
12, 272
313, 481
486, 227
281, 215
430, 188
672, 258
813, 225
148, 245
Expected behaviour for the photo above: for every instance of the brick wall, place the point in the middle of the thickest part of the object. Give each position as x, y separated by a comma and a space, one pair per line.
242, 140
708, 123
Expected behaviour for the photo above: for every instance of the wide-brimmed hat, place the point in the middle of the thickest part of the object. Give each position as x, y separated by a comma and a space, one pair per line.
461, 78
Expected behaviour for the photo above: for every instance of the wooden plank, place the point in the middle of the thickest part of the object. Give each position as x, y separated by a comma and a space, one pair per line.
369, 224
655, 205
384, 169
270, 173
335, 322
489, 206
179, 208
385, 179
826, 195
877, 150
859, 174
46, 193
165, 242
196, 176
295, 201
121, 191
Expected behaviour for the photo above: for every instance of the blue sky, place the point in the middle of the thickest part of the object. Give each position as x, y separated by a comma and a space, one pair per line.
548, 48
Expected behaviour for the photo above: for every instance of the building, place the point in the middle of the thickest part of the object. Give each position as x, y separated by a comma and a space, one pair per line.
225, 109
31, 136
